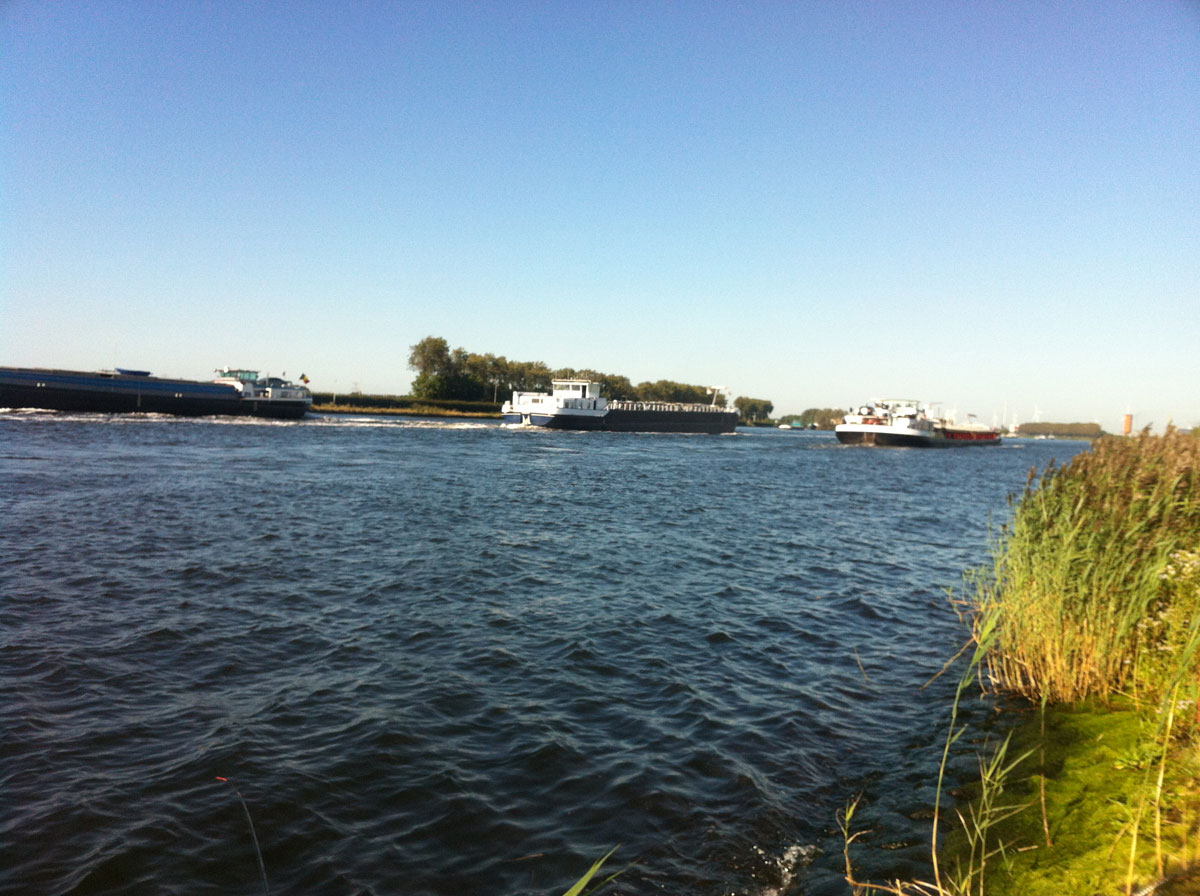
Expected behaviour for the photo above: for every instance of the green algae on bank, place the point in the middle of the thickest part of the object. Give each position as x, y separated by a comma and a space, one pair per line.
1104, 808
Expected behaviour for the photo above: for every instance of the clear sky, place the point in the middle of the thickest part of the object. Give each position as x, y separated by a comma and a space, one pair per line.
991, 204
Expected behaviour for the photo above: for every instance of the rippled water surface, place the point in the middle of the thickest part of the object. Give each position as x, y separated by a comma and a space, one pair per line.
455, 658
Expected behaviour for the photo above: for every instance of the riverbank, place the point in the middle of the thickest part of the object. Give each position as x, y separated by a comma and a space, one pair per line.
416, 410
1091, 614
403, 405
1086, 630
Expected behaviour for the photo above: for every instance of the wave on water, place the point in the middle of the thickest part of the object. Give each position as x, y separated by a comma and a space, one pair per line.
43, 415
332, 421
787, 865
396, 421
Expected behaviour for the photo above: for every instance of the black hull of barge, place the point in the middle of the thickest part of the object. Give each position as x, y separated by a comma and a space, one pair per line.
891, 440
886, 440
693, 422
119, 395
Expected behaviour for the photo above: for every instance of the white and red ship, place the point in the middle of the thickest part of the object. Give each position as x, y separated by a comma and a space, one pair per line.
903, 422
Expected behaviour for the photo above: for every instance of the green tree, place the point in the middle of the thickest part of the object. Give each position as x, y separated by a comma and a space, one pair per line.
753, 410
666, 390
529, 376
489, 370
618, 388
467, 376
1062, 430
428, 385
822, 418
431, 356
442, 373
432, 361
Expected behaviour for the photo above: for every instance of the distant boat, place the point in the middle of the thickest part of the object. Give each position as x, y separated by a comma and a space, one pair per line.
122, 391
577, 404
903, 422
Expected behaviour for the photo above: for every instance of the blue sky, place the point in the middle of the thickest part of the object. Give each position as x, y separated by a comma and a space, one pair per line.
993, 205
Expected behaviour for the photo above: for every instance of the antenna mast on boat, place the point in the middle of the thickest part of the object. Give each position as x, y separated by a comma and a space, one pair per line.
714, 391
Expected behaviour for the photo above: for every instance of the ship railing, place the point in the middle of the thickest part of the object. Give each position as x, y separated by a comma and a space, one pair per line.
623, 405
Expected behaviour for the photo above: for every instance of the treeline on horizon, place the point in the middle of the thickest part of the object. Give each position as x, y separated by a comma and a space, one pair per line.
821, 418
446, 374
1064, 430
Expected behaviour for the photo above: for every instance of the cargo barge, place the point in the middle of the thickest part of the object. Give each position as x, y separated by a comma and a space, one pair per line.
905, 423
577, 404
234, 392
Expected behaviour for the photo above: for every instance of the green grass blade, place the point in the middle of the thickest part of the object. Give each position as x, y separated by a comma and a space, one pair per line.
592, 872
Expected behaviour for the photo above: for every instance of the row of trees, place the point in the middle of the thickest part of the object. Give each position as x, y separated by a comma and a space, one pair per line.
457, 374
754, 410
465, 376
1062, 430
821, 418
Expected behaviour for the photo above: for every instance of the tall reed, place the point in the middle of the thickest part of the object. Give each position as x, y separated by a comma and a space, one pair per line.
1093, 587
1093, 591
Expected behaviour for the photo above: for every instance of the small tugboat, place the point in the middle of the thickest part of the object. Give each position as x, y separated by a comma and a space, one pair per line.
903, 422
577, 404
236, 392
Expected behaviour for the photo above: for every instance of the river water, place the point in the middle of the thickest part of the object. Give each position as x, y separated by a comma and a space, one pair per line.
459, 658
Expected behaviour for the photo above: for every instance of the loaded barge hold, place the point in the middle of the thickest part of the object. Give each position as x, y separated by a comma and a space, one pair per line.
577, 404
234, 392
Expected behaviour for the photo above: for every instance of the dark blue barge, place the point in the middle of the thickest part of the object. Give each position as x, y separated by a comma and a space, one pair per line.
234, 392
